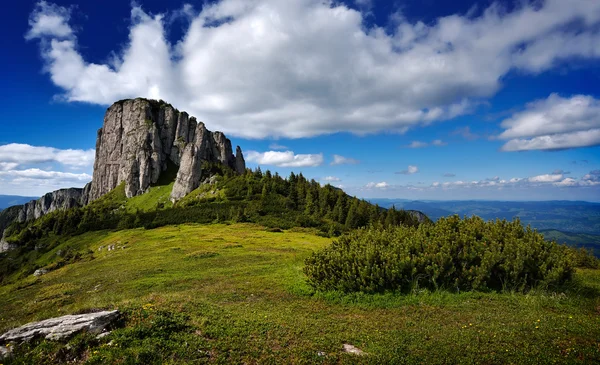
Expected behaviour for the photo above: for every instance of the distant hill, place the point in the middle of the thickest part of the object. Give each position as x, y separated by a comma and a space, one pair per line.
565, 216
588, 241
10, 200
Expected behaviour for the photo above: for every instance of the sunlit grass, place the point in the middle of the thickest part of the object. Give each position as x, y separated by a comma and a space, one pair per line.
247, 301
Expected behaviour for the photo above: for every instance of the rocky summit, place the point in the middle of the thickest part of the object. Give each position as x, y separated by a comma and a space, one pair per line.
141, 138
139, 141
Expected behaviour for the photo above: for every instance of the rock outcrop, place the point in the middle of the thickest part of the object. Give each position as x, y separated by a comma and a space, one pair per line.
141, 138
56, 200
61, 327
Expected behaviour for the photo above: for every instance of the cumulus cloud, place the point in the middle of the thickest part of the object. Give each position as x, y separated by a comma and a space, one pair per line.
379, 185
284, 159
301, 68
331, 178
49, 20
554, 123
409, 171
14, 154
592, 177
341, 160
546, 178
38, 182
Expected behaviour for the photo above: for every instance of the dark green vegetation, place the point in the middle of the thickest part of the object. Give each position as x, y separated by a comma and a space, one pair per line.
236, 294
453, 254
566, 216
257, 197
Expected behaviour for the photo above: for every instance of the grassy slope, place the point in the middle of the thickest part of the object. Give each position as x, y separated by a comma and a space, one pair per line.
244, 291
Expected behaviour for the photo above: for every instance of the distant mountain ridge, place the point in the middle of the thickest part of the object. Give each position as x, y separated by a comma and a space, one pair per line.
566, 216
10, 200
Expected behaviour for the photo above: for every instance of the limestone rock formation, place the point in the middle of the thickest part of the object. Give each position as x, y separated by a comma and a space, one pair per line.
56, 200
141, 138
61, 327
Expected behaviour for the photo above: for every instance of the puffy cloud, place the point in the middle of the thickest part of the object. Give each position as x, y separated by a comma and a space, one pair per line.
20, 175
15, 154
379, 185
554, 123
546, 178
285, 159
301, 68
49, 20
341, 160
7, 166
593, 177
38, 182
438, 142
331, 178
409, 171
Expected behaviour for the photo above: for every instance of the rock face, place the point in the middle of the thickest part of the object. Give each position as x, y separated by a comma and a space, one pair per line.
141, 138
61, 327
56, 200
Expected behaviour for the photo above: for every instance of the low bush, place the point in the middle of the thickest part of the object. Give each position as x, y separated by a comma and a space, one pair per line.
453, 253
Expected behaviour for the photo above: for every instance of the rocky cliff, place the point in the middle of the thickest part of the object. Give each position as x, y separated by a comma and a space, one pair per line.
56, 200
139, 140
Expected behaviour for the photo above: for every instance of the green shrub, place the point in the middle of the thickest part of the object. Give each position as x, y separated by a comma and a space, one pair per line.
453, 253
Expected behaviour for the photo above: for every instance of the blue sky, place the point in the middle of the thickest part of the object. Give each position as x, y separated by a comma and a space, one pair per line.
399, 99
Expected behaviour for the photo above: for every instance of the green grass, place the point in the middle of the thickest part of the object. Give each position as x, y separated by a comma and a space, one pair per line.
245, 300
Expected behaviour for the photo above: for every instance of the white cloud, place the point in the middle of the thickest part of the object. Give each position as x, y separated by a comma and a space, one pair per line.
301, 68
419, 144
554, 123
7, 166
331, 178
15, 154
546, 178
21, 175
284, 159
341, 160
49, 20
379, 185
409, 171
276, 146
38, 182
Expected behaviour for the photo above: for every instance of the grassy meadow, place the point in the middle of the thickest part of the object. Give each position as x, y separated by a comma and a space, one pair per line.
236, 294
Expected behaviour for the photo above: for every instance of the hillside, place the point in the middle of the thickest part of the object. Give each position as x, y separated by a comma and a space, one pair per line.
236, 294
256, 197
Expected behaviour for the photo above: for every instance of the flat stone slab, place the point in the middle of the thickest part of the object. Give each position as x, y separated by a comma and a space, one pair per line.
61, 327
353, 350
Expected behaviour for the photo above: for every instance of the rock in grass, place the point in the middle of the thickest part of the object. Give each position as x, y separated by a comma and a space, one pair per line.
40, 272
353, 350
61, 327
